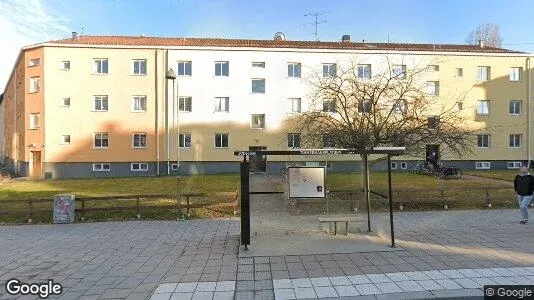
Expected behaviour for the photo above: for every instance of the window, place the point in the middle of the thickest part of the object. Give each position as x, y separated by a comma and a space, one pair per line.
100, 66
328, 141
513, 165
398, 71
258, 86
222, 68
139, 67
515, 140
34, 85
184, 140
221, 140
139, 140
329, 106
258, 121
459, 72
432, 88
222, 104
515, 107
365, 106
174, 167
139, 103
139, 167
400, 107
483, 107
101, 167
34, 62
404, 165
295, 104
329, 70
459, 106
64, 102
393, 165
100, 103
364, 71
65, 139
483, 73
483, 140
293, 70
432, 68
433, 122
64, 65
293, 140
185, 68
482, 165
34, 120
515, 74
101, 140
185, 104
258, 64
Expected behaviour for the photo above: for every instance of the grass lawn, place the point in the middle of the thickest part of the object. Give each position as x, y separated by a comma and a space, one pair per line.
508, 175
91, 187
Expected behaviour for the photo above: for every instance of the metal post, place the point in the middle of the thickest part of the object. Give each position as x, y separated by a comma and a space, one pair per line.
390, 198
245, 201
366, 189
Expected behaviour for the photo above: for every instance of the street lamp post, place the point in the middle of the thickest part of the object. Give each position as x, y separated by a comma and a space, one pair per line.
171, 75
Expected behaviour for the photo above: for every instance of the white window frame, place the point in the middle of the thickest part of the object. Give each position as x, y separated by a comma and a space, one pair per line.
482, 113
140, 69
393, 165
329, 70
291, 142
514, 165
64, 65
62, 102
174, 167
219, 67
34, 84
221, 140
480, 73
258, 64
403, 165
515, 74
141, 167
63, 139
400, 106
101, 98
100, 136
432, 68
363, 104
331, 107
221, 104
361, 71
519, 140
401, 75
482, 144
482, 165
257, 125
294, 70
140, 134
35, 122
182, 139
295, 108
34, 62
459, 73
184, 64
459, 106
325, 137
432, 88
182, 104
137, 102
101, 167
99, 62
514, 113
264, 85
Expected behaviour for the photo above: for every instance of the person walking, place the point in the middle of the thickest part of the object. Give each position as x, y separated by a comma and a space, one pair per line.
524, 187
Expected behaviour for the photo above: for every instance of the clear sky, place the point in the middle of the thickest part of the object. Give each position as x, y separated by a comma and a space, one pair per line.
24, 22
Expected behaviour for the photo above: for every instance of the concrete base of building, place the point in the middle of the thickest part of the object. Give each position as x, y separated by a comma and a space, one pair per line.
123, 169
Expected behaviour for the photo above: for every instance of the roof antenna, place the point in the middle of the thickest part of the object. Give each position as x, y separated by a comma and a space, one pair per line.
81, 33
316, 22
388, 38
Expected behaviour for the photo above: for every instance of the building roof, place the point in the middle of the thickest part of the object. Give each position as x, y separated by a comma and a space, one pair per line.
237, 43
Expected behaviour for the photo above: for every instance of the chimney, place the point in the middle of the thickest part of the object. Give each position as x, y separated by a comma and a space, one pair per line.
75, 36
481, 43
364, 41
345, 38
143, 35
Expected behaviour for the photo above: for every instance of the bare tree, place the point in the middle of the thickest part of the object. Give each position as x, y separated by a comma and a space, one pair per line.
488, 33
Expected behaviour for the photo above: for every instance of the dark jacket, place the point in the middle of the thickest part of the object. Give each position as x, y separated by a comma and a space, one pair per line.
524, 185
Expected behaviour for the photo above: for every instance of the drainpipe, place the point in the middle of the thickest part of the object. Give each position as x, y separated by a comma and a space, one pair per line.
16, 152
528, 112
156, 74
167, 115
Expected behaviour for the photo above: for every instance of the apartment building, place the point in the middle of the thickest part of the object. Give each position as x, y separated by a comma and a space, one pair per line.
97, 106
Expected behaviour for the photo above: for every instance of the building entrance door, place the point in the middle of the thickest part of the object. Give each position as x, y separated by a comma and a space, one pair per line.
36, 164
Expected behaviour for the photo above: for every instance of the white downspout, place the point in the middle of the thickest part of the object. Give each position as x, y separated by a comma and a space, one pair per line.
167, 115
16, 153
156, 108
528, 112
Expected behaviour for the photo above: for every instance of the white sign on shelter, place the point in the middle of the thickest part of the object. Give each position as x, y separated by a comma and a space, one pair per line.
307, 182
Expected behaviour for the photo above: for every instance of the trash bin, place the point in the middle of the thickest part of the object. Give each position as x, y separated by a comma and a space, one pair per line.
64, 209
